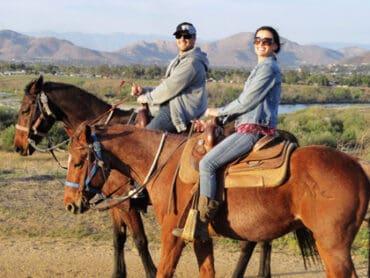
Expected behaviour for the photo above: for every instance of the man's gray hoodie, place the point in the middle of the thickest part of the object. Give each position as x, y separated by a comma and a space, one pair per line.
184, 88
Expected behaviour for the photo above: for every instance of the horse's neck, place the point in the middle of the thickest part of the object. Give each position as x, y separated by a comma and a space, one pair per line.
141, 148
73, 112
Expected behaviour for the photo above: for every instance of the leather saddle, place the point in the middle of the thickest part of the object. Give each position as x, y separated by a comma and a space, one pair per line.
265, 166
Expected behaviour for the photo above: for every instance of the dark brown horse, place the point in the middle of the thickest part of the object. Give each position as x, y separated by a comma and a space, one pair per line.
327, 191
45, 103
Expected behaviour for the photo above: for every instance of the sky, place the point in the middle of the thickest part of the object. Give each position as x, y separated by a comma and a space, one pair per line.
301, 21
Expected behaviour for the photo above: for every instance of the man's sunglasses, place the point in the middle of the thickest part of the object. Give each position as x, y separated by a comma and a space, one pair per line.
263, 41
185, 36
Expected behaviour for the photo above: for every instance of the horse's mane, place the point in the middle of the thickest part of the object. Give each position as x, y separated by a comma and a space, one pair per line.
77, 92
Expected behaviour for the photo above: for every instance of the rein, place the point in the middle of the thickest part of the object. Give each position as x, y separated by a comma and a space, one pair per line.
110, 202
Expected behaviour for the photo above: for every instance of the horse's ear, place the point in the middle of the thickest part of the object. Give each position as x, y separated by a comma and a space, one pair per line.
39, 83
84, 133
36, 86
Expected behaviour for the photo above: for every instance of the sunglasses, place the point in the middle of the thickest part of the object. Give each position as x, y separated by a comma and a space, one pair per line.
185, 36
263, 41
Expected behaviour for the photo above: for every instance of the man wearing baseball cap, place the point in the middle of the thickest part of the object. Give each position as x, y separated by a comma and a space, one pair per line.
181, 95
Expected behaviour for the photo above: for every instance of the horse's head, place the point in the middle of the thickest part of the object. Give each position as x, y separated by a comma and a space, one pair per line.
86, 171
33, 119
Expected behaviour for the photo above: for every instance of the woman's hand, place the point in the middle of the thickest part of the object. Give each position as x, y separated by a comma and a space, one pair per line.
211, 112
142, 99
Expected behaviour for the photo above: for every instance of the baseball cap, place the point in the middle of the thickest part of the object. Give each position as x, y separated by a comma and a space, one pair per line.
185, 27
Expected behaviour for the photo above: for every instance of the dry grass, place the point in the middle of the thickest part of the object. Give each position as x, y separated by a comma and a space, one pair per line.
31, 202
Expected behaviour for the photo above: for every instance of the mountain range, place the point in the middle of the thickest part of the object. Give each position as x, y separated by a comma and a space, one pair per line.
235, 51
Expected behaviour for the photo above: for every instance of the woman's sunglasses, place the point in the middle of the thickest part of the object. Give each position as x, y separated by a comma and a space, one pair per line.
263, 41
185, 36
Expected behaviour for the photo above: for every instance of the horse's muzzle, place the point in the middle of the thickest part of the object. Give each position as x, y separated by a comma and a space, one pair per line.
74, 208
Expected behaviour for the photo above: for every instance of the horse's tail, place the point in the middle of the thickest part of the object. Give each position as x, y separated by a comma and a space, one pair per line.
307, 246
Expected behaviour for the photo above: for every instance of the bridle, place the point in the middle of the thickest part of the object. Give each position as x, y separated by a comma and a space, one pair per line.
93, 150
40, 104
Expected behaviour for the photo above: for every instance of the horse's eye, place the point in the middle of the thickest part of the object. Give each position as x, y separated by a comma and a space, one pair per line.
79, 164
27, 110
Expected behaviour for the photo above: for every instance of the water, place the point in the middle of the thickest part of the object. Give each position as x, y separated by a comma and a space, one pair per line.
289, 108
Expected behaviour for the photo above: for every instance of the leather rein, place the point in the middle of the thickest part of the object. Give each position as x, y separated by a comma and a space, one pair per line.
114, 201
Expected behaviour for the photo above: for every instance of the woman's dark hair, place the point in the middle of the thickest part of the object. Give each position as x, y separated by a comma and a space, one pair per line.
274, 34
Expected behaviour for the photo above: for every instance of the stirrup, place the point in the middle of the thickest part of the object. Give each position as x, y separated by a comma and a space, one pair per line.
137, 195
177, 232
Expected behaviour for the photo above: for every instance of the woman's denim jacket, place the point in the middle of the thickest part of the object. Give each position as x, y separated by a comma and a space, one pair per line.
259, 101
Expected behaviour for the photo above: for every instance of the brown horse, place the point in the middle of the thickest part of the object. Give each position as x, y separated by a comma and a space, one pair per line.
327, 191
45, 103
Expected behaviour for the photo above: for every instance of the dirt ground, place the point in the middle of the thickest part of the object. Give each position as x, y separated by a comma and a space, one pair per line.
39, 239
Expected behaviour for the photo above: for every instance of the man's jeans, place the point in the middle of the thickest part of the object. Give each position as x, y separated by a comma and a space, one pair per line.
162, 121
231, 148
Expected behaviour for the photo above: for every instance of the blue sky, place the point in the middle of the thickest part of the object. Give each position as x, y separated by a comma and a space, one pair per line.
302, 21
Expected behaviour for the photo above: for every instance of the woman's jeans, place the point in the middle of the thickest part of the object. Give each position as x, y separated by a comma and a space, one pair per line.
231, 148
162, 121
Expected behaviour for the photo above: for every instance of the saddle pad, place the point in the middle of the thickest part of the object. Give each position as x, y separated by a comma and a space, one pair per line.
265, 168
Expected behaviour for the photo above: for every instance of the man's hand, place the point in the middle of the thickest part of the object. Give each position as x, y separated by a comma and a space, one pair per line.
136, 89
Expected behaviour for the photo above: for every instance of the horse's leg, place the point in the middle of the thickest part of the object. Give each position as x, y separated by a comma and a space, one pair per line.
137, 231
133, 221
171, 248
337, 260
265, 260
119, 239
204, 253
246, 251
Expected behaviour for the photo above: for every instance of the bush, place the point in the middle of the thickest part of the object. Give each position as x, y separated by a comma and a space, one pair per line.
57, 135
8, 117
7, 139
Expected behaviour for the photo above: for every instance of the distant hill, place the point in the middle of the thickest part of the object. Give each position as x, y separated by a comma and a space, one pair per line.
100, 42
233, 51
364, 58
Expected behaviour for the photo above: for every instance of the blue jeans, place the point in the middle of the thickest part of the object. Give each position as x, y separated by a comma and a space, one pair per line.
231, 148
162, 121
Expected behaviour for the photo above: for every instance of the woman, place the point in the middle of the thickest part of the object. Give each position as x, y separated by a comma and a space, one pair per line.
256, 111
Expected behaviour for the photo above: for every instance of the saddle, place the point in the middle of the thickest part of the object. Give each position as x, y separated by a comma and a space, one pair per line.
195, 148
265, 166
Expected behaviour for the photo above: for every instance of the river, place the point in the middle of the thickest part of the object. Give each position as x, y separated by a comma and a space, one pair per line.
288, 108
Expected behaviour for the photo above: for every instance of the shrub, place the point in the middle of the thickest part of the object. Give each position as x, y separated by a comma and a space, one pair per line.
8, 117
7, 138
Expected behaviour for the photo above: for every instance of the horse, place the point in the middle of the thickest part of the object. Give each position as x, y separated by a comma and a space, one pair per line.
326, 191
43, 104
46, 103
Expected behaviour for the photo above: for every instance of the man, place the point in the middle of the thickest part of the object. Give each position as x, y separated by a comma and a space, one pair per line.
182, 93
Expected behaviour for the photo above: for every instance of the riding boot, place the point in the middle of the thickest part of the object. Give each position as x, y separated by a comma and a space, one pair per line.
207, 211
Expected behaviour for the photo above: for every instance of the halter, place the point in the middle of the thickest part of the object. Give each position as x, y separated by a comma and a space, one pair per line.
95, 149
41, 104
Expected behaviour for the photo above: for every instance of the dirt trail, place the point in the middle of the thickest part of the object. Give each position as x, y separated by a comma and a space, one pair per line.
47, 257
